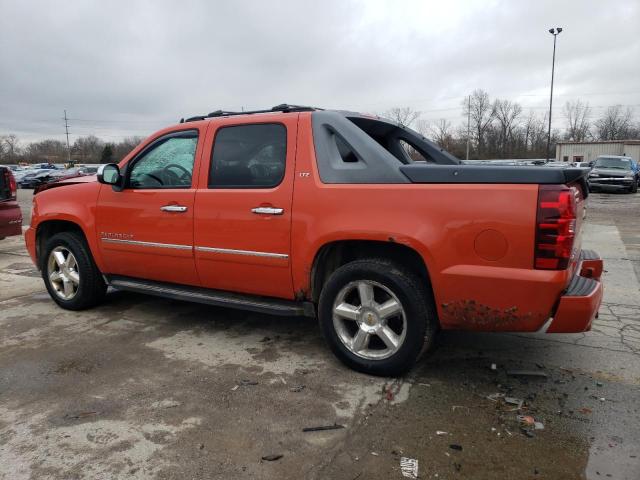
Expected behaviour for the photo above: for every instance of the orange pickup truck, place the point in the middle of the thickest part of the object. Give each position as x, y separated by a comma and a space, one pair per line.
357, 220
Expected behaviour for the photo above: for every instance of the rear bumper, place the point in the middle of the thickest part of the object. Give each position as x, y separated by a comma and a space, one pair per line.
579, 304
10, 219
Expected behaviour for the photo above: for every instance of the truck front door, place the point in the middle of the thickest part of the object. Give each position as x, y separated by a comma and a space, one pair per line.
146, 229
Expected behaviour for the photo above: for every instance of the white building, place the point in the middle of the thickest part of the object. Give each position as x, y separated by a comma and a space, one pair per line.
589, 151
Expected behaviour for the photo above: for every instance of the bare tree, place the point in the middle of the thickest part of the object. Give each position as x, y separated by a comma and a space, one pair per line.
122, 148
482, 113
403, 115
578, 121
534, 135
9, 148
45, 151
507, 113
615, 123
87, 149
441, 131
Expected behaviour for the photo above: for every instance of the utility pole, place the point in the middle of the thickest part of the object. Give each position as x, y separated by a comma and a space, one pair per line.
468, 125
555, 32
66, 127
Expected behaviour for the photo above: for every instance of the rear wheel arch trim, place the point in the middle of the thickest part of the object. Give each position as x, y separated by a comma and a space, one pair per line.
317, 278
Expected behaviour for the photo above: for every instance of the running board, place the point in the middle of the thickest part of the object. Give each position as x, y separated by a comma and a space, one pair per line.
268, 305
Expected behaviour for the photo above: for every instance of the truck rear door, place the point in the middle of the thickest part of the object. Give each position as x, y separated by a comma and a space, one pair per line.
242, 223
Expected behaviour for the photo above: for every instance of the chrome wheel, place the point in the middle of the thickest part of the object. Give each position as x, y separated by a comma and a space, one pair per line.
369, 320
62, 270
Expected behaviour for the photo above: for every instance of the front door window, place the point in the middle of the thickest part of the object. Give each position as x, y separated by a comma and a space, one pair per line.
167, 164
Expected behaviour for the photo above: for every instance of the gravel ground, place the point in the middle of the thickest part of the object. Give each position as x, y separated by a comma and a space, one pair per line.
143, 387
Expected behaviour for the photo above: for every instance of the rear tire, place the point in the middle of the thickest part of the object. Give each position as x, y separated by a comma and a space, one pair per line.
69, 272
377, 317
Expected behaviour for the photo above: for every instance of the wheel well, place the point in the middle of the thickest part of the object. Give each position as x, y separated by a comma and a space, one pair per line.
333, 255
49, 228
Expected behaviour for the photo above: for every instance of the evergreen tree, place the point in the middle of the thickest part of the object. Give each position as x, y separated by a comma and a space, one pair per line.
107, 154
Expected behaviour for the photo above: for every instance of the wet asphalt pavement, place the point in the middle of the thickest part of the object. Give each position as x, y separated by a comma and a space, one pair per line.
143, 387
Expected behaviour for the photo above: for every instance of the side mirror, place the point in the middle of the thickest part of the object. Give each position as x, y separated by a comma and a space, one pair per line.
109, 174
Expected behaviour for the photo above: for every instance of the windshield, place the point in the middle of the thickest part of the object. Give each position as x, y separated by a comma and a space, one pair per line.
620, 163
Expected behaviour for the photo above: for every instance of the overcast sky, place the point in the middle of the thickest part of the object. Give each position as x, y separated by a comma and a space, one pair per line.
131, 67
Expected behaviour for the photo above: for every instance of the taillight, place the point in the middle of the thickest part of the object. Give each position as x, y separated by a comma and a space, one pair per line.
11, 182
555, 226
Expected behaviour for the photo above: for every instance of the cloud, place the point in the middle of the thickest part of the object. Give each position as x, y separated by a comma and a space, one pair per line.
124, 68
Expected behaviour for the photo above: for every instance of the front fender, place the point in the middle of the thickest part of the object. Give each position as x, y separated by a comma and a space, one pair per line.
76, 204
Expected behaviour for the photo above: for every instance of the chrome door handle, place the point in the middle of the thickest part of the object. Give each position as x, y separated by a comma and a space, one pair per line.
268, 211
174, 208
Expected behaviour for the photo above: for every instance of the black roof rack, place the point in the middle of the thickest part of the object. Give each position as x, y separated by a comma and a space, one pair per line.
284, 107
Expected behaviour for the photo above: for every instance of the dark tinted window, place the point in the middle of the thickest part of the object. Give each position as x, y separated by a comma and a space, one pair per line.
248, 156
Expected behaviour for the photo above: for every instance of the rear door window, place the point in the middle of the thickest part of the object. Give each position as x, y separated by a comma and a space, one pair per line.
249, 156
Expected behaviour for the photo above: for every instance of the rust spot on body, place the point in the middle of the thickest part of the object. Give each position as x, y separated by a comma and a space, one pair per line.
472, 314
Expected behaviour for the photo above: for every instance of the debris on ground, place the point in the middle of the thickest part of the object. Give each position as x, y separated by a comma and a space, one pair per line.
245, 383
409, 467
526, 420
273, 457
514, 401
599, 384
235, 387
526, 373
538, 425
441, 432
501, 399
455, 446
201, 446
335, 426
297, 388
494, 366
457, 466
81, 415
165, 404
585, 410
374, 454
527, 432
455, 407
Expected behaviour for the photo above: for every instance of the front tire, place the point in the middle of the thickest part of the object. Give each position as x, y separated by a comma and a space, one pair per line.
633, 188
70, 274
377, 316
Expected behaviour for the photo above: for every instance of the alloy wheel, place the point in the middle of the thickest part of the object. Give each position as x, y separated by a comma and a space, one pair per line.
369, 320
62, 271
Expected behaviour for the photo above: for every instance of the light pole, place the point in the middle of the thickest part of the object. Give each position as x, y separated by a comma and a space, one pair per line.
555, 32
